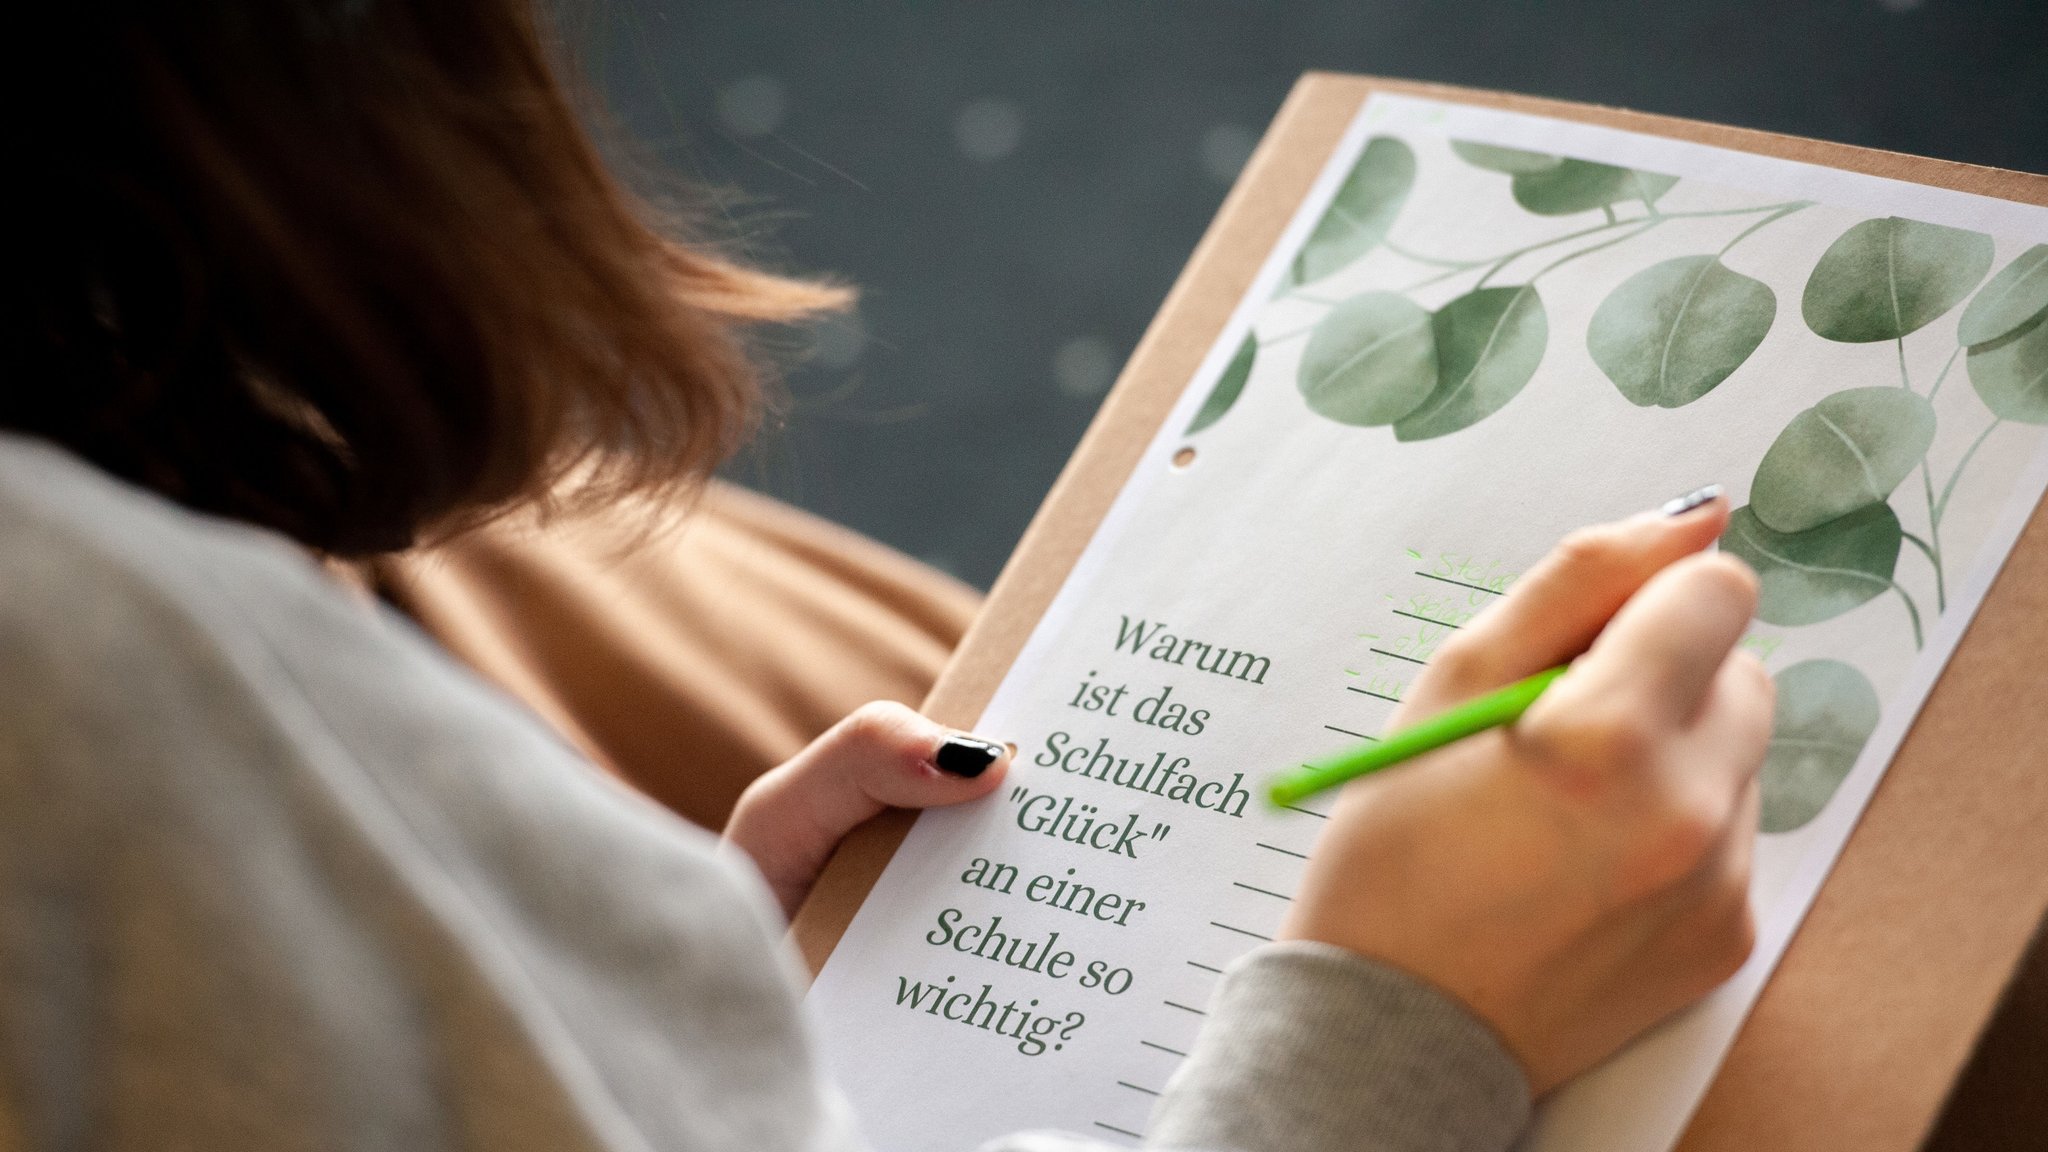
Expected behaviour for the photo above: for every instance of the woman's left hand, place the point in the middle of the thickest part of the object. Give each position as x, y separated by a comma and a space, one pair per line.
883, 756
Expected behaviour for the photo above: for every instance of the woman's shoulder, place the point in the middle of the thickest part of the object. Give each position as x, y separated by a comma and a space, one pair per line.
171, 659
211, 752
102, 577
158, 632
126, 613
132, 629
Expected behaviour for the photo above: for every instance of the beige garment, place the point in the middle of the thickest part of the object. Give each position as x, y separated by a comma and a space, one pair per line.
692, 659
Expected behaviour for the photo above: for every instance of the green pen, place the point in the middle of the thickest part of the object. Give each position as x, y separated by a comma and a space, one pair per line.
1474, 716
1493, 710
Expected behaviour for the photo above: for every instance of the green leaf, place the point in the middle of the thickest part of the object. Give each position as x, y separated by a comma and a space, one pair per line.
1488, 343
1228, 386
1581, 186
1512, 161
2018, 293
1851, 449
1826, 712
1818, 574
1370, 361
1362, 212
2011, 373
1883, 279
1671, 333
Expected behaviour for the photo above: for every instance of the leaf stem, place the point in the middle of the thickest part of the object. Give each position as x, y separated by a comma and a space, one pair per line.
1912, 610
1949, 489
1944, 371
1298, 333
1453, 267
1933, 547
1917, 542
1419, 258
1490, 273
1501, 260
1746, 233
1592, 248
1905, 381
1933, 554
1734, 211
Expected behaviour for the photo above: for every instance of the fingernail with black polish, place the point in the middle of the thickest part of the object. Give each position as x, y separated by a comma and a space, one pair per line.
966, 756
1692, 501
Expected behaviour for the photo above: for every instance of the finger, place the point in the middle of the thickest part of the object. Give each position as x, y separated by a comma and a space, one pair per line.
1723, 871
1733, 730
885, 755
1554, 611
1714, 767
1665, 648
1711, 912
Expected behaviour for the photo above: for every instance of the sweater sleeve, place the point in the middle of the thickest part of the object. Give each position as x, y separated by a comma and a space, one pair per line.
1310, 1048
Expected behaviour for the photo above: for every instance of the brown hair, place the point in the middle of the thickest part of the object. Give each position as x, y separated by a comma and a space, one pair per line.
353, 270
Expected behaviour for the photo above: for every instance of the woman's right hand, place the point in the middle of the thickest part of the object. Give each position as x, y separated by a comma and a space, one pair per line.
1581, 875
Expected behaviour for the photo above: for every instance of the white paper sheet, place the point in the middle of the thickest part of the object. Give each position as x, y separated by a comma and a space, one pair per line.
1305, 567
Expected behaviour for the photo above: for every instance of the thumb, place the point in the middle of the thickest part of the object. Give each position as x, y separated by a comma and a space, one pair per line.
1553, 613
884, 755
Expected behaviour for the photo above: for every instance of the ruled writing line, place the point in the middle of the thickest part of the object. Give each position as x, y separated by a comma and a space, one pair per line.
1461, 584
1240, 931
1261, 891
1425, 619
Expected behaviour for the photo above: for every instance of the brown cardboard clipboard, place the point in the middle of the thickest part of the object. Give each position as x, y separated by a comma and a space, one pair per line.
1873, 1011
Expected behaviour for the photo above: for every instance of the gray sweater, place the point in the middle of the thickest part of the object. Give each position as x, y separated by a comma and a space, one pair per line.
275, 873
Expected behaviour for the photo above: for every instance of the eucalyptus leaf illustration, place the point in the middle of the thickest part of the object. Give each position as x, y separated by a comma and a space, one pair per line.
1581, 186
1371, 361
2018, 293
1228, 386
2011, 373
1818, 574
1488, 343
1883, 279
1512, 161
1364, 208
1671, 333
1851, 449
1826, 712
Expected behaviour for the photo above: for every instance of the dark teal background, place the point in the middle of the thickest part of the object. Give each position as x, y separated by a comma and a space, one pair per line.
942, 432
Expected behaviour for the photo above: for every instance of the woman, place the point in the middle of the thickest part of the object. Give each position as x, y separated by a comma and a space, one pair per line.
328, 279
